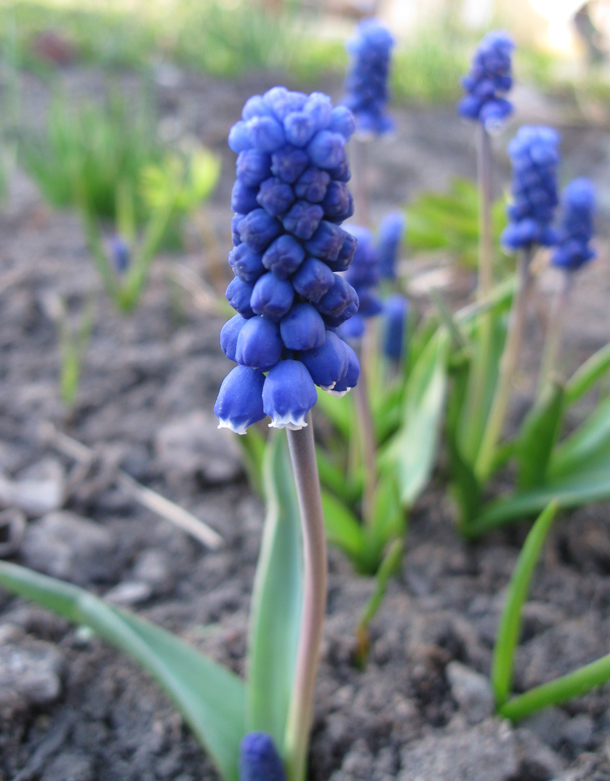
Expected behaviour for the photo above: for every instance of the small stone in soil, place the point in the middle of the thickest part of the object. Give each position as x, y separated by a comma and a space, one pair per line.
31, 669
67, 546
487, 751
579, 731
471, 691
538, 761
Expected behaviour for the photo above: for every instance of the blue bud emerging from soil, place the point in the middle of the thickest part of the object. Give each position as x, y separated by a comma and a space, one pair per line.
534, 154
290, 197
259, 760
119, 252
572, 251
367, 81
489, 79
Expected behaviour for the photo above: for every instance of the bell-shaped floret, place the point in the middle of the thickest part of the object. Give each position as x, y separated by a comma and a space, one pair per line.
272, 297
395, 311
342, 121
302, 328
352, 373
255, 107
253, 167
289, 163
240, 399
259, 344
275, 196
284, 256
228, 335
338, 204
258, 229
312, 185
338, 298
353, 328
320, 108
246, 265
327, 241
346, 254
327, 364
303, 219
243, 198
313, 279
239, 138
299, 128
238, 295
265, 134
288, 395
282, 101
327, 149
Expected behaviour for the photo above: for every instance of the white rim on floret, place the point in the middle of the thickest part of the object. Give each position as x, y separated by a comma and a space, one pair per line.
289, 421
241, 429
340, 394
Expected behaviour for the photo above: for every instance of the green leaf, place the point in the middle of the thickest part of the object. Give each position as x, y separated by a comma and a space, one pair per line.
588, 375
537, 438
337, 410
589, 484
277, 600
413, 449
585, 444
510, 622
334, 478
210, 697
387, 523
342, 527
466, 487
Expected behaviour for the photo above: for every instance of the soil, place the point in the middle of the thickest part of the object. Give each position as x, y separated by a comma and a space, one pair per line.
420, 710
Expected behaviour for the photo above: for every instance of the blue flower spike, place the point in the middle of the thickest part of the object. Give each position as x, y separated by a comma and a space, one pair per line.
120, 253
290, 199
396, 312
259, 760
366, 84
389, 239
363, 275
489, 80
572, 251
534, 154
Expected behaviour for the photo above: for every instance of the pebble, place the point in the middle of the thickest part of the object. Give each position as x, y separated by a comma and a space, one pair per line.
30, 669
68, 546
579, 731
538, 761
192, 446
39, 491
486, 751
471, 691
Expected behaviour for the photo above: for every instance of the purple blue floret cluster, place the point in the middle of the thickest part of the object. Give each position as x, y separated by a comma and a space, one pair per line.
259, 760
290, 199
572, 250
363, 275
534, 154
389, 239
490, 78
366, 84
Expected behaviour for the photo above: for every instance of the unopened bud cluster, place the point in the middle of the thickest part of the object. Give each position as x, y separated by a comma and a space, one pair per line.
490, 78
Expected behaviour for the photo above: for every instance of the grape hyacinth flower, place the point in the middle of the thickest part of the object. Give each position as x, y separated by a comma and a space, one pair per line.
363, 275
389, 238
259, 760
119, 251
395, 314
489, 79
367, 80
534, 156
572, 250
290, 198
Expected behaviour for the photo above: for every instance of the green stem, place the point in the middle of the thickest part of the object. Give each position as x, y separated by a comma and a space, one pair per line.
564, 688
514, 339
484, 169
303, 455
366, 432
554, 335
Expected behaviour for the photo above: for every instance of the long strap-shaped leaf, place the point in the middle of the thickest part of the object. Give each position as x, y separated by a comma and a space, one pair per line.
210, 697
277, 600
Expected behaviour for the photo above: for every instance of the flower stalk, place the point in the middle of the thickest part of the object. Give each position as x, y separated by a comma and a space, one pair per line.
303, 456
554, 336
514, 340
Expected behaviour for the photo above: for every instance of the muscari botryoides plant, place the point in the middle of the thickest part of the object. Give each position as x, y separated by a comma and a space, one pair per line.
290, 198
571, 469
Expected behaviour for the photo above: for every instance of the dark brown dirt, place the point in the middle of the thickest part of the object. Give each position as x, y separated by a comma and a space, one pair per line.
87, 712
